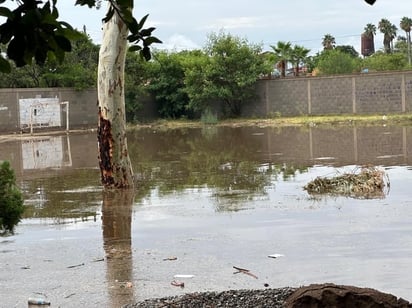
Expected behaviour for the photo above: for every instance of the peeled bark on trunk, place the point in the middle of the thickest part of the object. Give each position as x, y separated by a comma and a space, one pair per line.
115, 166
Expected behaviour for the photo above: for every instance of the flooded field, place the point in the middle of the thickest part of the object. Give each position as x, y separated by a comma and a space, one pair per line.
208, 199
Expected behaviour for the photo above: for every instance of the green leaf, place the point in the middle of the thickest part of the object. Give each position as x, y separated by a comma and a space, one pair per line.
147, 32
58, 54
4, 65
142, 21
16, 49
63, 43
89, 3
6, 33
152, 39
145, 52
66, 25
135, 48
109, 15
125, 3
127, 16
40, 55
134, 37
133, 26
6, 12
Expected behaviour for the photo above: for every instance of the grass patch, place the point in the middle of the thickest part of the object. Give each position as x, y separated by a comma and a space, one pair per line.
303, 121
208, 117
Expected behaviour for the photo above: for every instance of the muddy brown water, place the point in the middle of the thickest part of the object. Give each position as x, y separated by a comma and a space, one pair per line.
207, 199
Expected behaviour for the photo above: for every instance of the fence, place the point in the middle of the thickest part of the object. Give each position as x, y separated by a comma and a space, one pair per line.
368, 93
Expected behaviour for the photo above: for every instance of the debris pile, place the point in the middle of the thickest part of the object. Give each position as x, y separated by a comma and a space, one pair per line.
368, 183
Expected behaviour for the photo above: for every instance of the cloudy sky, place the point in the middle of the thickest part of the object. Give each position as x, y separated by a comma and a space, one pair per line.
185, 24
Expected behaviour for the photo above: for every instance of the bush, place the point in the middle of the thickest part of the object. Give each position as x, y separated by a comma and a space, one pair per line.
11, 200
333, 62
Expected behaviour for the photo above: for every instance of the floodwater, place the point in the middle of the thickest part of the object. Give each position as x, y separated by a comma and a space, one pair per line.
207, 199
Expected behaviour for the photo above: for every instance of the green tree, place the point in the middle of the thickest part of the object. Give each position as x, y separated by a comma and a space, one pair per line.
283, 52
389, 33
21, 77
385, 62
406, 24
78, 69
137, 79
333, 62
401, 46
328, 42
298, 55
350, 50
199, 84
167, 84
227, 73
11, 200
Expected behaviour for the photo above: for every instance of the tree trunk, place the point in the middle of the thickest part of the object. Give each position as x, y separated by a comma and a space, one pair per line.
115, 166
408, 35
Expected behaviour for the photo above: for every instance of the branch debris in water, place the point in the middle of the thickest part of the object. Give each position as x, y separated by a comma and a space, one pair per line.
369, 183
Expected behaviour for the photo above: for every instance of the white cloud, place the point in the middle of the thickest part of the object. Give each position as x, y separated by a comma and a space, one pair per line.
178, 42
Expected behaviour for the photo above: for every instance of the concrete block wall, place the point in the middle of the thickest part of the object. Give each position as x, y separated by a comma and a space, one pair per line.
371, 93
329, 95
9, 110
82, 106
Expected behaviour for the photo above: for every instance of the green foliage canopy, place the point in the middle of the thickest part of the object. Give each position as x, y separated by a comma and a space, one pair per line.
11, 200
167, 83
78, 69
334, 61
227, 73
386, 62
137, 77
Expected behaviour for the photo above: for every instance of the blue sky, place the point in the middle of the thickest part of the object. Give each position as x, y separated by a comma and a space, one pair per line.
185, 24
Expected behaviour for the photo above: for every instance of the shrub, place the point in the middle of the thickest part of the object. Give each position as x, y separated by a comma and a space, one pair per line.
11, 200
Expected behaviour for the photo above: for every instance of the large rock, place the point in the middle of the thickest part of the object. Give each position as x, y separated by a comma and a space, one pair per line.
339, 296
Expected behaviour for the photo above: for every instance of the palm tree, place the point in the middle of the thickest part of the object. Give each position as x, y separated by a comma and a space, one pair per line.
389, 33
367, 40
392, 31
283, 51
406, 25
298, 54
328, 42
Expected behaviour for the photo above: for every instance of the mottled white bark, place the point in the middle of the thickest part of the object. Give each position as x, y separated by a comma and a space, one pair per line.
114, 161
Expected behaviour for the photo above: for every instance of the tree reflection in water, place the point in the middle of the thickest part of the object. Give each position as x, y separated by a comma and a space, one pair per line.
116, 223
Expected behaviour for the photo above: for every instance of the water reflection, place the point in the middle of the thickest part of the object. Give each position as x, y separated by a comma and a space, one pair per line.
188, 181
48, 152
237, 164
241, 163
116, 223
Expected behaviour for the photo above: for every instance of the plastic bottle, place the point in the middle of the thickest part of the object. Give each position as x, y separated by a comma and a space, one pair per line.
38, 301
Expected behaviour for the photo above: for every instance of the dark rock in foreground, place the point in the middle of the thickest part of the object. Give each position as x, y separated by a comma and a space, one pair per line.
338, 296
234, 298
313, 296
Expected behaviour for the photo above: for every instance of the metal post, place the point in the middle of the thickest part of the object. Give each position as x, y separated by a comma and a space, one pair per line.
67, 114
